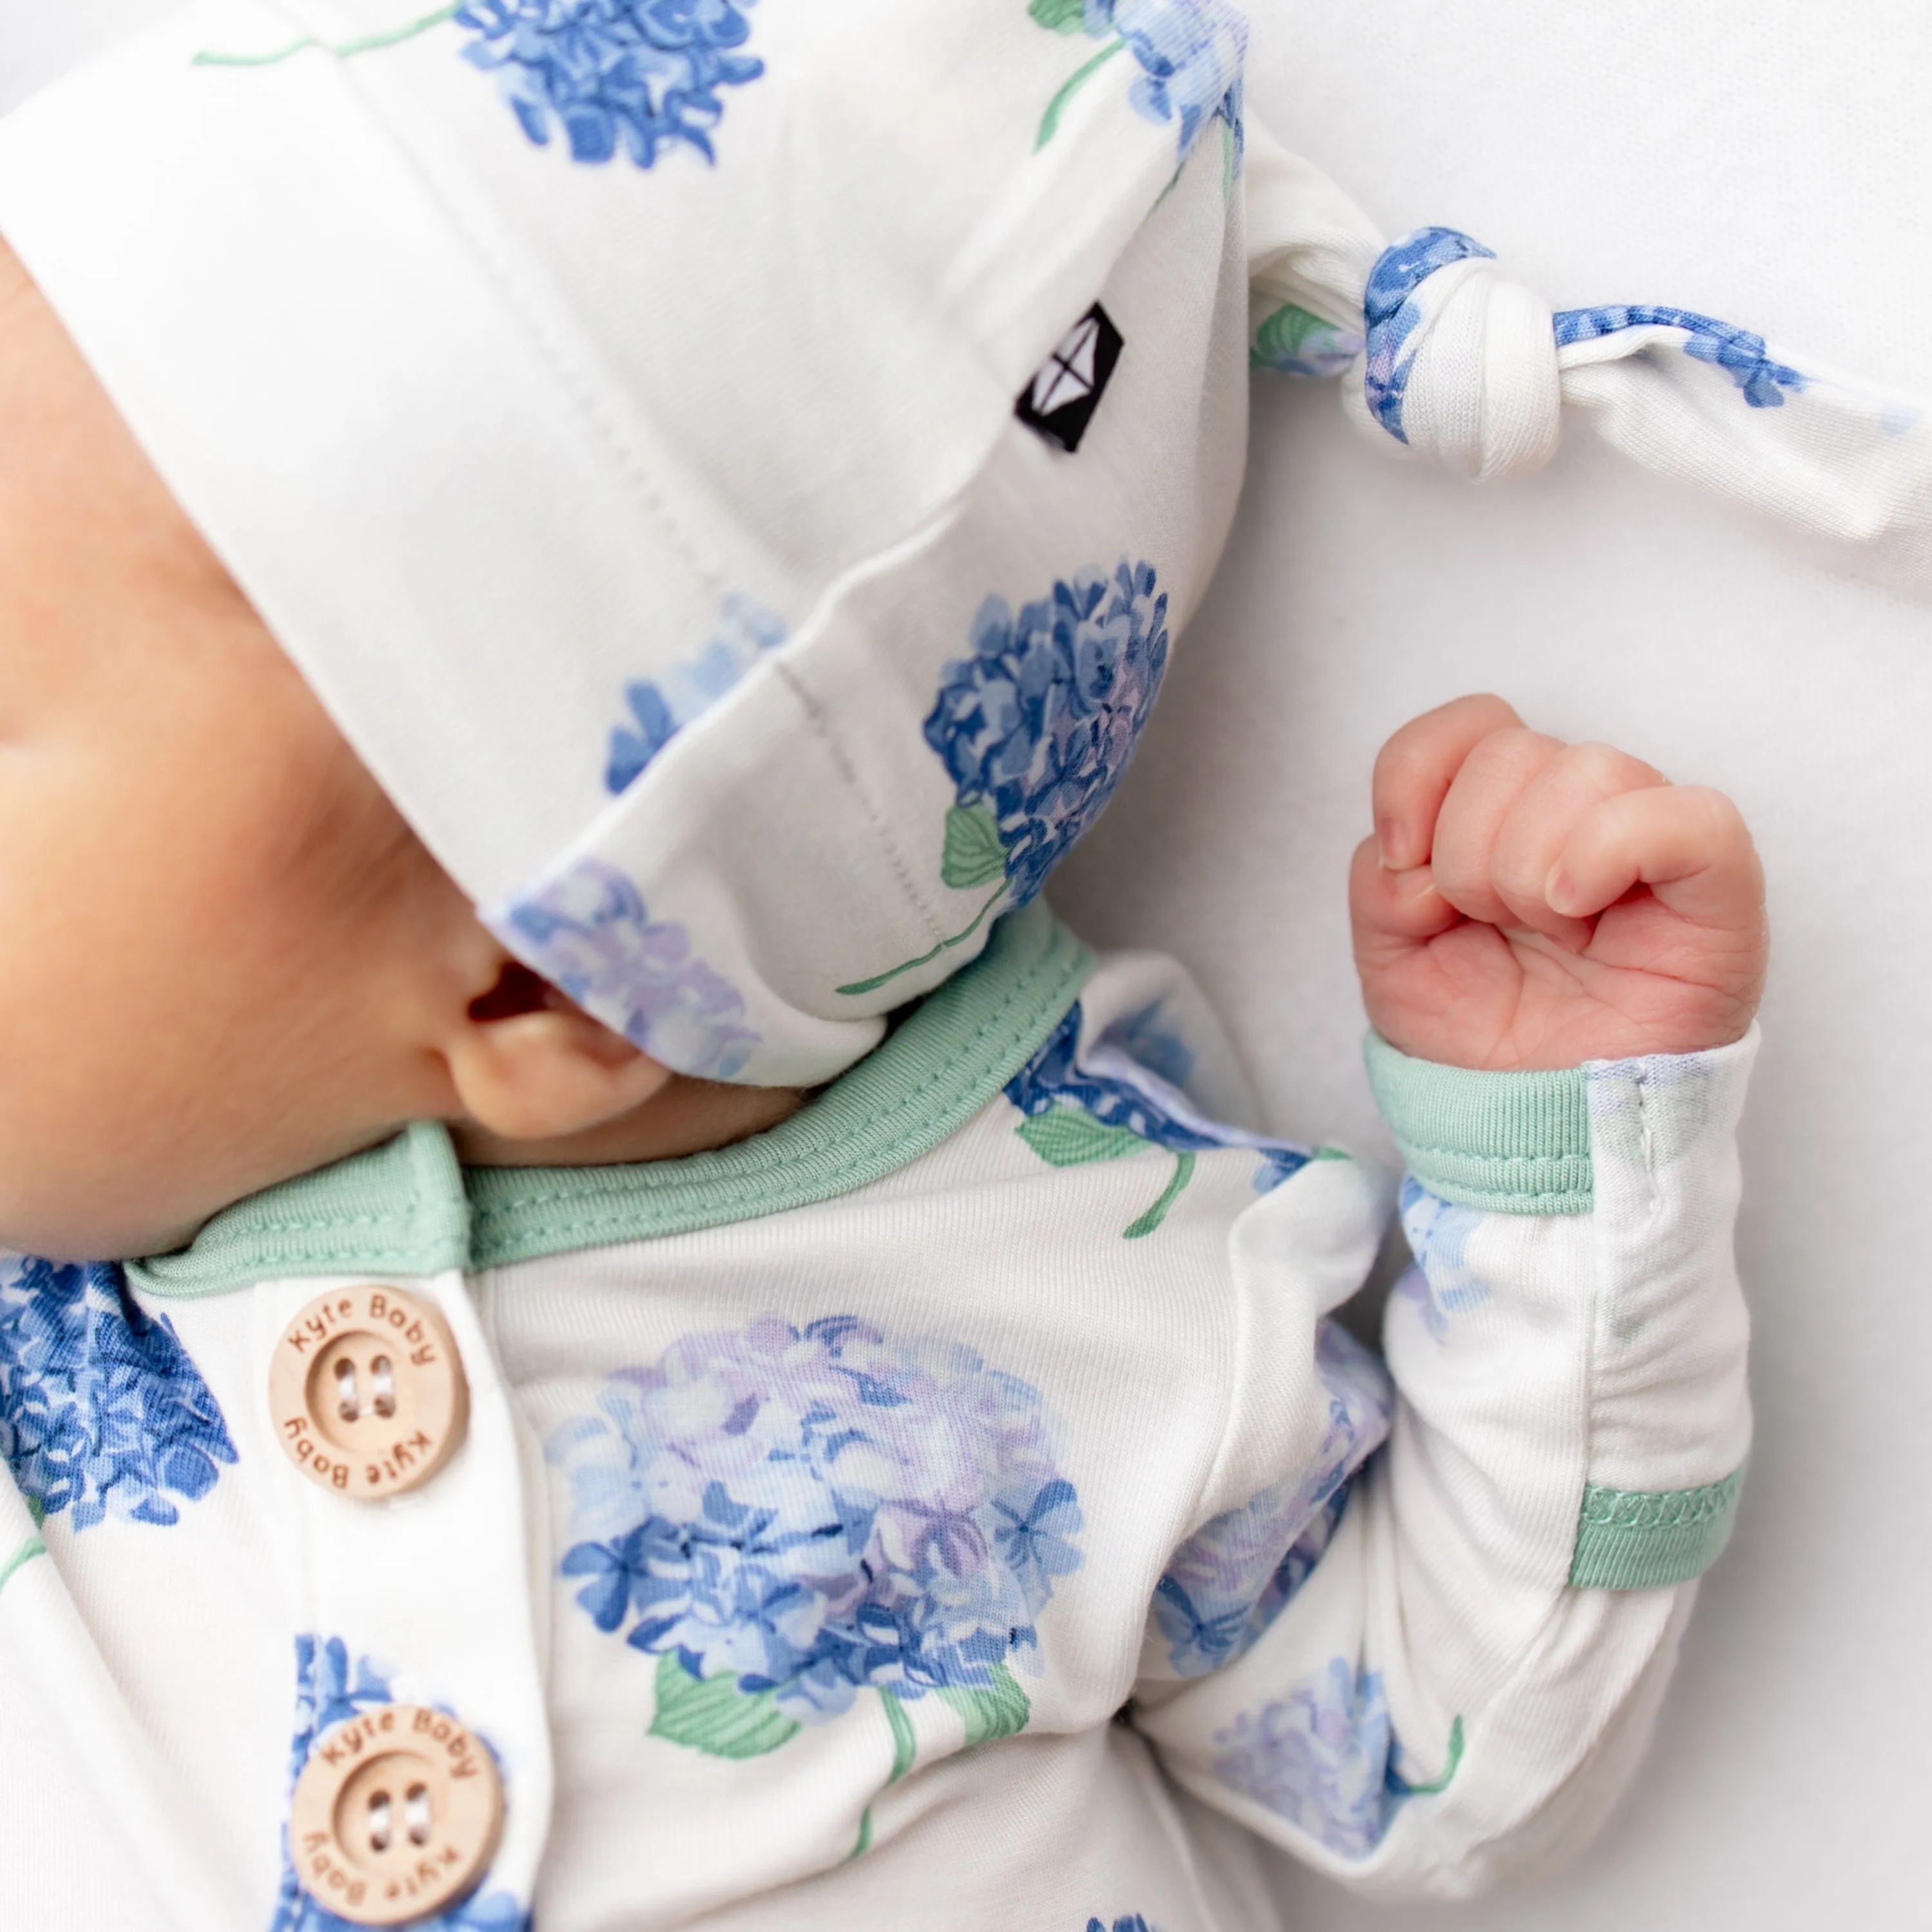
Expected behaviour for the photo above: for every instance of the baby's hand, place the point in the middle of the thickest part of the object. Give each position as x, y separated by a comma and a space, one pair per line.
1526, 903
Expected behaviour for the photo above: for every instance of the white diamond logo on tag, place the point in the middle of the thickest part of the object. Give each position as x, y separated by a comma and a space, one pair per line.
1060, 401
1069, 374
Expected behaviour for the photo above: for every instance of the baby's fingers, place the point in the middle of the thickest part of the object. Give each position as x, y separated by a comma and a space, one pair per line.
1415, 768
1688, 844
1394, 910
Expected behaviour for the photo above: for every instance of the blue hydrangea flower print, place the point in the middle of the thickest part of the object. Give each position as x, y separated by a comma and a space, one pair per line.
1084, 1103
1148, 1038
794, 1515
1190, 54
662, 707
1393, 314
1743, 357
102, 1412
589, 932
1131, 1922
1325, 1758
1230, 1580
1039, 723
645, 74
331, 1689
1441, 1283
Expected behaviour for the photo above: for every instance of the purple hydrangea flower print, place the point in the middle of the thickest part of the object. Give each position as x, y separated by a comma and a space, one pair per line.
102, 1411
798, 1513
330, 1689
1318, 1757
589, 932
643, 74
1038, 724
1441, 1283
1326, 1758
1230, 1580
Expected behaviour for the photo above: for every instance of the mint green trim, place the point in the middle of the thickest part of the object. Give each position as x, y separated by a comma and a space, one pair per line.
1647, 1540
948, 1058
27, 1552
399, 1209
406, 1208
1511, 1143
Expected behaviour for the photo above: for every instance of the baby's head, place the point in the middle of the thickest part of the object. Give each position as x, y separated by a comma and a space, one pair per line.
227, 959
519, 632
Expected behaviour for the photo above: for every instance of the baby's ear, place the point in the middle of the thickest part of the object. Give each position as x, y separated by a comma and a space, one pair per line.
526, 1064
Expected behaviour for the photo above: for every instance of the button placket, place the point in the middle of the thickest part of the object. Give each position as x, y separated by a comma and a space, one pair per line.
388, 1401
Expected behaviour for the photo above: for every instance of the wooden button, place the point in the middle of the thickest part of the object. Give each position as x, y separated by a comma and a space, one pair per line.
396, 1815
368, 1391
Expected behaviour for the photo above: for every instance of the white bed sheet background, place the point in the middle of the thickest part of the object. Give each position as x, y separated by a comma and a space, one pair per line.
1770, 162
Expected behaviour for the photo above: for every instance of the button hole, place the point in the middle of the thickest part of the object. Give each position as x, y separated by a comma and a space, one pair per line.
416, 1809
379, 1821
348, 1404
386, 1386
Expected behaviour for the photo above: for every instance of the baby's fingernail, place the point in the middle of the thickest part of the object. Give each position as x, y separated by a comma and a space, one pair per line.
1559, 890
1388, 835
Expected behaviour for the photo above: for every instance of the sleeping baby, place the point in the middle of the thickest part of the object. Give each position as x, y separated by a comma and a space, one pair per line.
607, 1325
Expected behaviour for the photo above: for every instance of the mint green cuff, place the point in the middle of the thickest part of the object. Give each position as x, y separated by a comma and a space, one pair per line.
1647, 1540
1510, 1143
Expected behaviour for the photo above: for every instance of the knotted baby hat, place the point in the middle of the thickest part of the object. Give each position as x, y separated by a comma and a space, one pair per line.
735, 468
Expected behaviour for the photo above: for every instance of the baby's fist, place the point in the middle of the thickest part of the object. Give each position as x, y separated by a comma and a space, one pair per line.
1526, 903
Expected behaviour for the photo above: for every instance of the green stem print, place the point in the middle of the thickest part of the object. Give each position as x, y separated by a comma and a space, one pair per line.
1184, 1172
32, 1547
1050, 121
973, 856
905, 1749
998, 1711
1069, 1136
364, 44
1401, 1785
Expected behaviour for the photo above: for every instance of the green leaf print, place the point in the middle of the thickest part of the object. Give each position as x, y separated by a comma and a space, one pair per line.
712, 1715
1060, 16
1286, 333
1071, 1137
998, 1712
973, 855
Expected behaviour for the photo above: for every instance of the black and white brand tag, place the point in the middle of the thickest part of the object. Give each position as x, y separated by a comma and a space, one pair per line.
1059, 403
